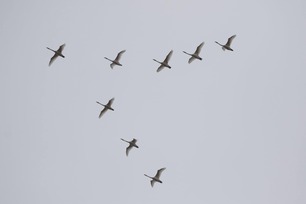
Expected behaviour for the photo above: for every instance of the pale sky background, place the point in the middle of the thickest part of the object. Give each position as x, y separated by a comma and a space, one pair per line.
230, 129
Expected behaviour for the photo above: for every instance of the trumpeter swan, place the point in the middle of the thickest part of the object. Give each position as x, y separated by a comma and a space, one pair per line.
195, 55
156, 177
57, 53
116, 60
106, 107
165, 62
227, 46
131, 145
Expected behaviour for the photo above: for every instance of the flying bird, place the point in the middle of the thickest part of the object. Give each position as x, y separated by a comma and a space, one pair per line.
165, 62
156, 177
108, 106
131, 145
227, 46
57, 53
195, 55
116, 60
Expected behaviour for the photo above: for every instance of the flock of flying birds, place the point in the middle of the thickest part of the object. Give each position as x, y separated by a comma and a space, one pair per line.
163, 64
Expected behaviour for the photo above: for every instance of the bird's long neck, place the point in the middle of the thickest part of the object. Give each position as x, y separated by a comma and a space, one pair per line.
51, 49
186, 53
148, 176
100, 103
124, 140
109, 59
157, 61
218, 43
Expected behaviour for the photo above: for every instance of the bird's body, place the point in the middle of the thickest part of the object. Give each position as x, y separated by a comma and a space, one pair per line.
131, 145
195, 55
108, 106
116, 60
156, 177
227, 46
57, 53
165, 62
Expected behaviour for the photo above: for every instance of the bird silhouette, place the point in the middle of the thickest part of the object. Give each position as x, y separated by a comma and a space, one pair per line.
165, 62
131, 145
156, 177
116, 60
195, 55
57, 53
108, 106
227, 46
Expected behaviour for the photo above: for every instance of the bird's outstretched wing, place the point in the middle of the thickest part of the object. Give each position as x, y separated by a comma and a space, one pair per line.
52, 59
229, 41
134, 141
152, 183
159, 172
61, 48
119, 55
102, 112
128, 149
112, 65
191, 59
168, 57
198, 50
161, 67
110, 102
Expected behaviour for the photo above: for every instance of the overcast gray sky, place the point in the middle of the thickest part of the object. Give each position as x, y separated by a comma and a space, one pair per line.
229, 129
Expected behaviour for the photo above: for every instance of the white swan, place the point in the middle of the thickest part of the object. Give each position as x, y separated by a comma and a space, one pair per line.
131, 145
108, 106
57, 53
165, 62
195, 55
227, 46
116, 60
156, 177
